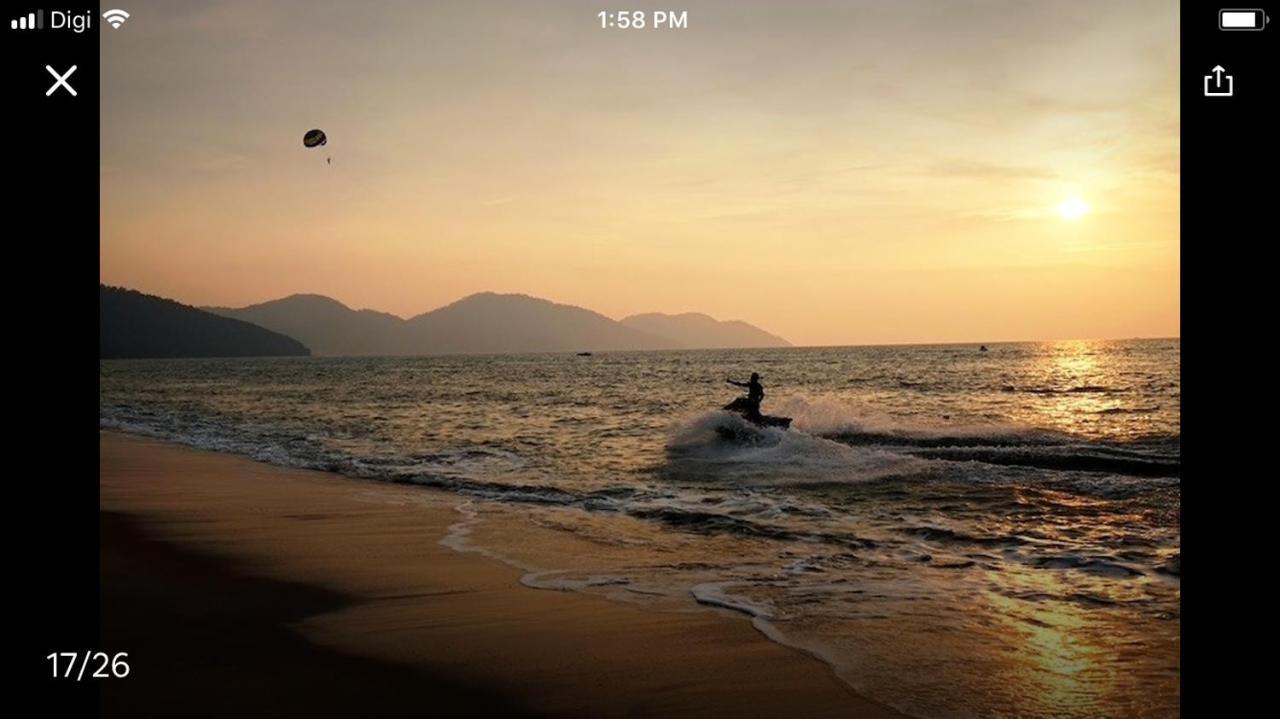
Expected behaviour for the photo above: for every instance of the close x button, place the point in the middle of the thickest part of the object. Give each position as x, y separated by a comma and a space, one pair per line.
60, 80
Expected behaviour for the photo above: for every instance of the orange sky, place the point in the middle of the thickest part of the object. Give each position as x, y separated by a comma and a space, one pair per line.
835, 172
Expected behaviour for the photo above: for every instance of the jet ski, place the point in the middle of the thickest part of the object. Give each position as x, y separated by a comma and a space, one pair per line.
743, 407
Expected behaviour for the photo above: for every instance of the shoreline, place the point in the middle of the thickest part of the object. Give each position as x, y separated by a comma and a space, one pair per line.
327, 590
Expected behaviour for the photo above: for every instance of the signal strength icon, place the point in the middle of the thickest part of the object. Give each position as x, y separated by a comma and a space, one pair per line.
115, 17
30, 21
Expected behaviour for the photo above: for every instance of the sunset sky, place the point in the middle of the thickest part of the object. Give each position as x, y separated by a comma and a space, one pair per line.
837, 172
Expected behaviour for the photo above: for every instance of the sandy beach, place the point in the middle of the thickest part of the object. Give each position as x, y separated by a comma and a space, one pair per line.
240, 586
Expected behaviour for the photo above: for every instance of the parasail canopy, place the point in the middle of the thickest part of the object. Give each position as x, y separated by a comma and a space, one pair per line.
314, 138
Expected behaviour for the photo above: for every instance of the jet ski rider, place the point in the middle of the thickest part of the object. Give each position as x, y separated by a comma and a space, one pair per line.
755, 394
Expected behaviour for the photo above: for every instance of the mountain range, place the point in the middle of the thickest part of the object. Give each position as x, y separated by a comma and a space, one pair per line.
489, 323
132, 324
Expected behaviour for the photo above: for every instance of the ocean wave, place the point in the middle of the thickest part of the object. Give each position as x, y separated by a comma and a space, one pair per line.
716, 523
945, 437
831, 418
830, 421
713, 594
461, 471
942, 535
772, 456
1078, 389
1090, 565
1129, 410
1071, 458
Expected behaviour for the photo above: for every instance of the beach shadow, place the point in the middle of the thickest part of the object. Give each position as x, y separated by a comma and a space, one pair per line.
207, 639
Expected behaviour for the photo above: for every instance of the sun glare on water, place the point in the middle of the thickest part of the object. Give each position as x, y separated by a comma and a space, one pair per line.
1073, 208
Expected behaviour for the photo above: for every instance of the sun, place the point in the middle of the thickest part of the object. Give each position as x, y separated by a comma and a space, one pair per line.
1073, 208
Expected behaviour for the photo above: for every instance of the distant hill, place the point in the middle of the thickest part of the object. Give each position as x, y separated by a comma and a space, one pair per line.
134, 325
327, 326
489, 322
483, 323
694, 329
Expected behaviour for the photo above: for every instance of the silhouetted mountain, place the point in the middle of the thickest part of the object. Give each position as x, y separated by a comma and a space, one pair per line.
131, 324
478, 324
489, 322
327, 326
694, 329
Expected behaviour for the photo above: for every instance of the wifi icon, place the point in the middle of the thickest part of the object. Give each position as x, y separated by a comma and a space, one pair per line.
115, 17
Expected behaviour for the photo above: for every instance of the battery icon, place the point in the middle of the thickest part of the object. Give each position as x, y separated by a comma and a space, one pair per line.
1242, 19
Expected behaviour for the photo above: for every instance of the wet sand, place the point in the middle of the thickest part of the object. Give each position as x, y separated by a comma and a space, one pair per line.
244, 588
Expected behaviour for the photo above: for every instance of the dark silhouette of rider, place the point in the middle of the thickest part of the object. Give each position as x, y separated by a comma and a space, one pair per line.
755, 394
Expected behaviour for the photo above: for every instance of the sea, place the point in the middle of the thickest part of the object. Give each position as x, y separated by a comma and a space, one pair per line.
955, 532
